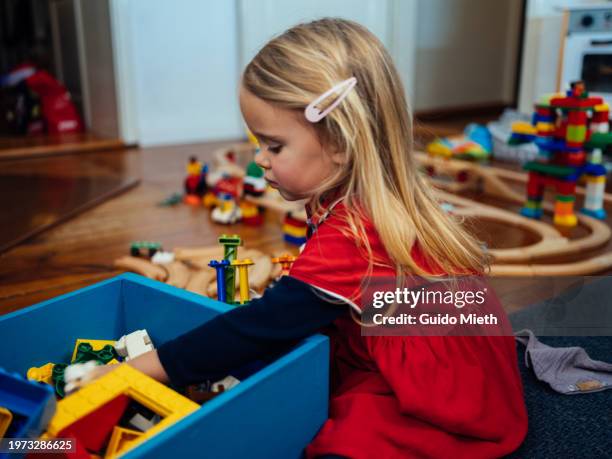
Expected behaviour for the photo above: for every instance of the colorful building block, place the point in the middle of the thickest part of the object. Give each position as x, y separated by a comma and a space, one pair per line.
96, 345
93, 430
136, 248
123, 381
285, 260
230, 252
251, 215
121, 440
243, 274
31, 406
134, 344
580, 127
43, 373
294, 231
6, 418
84, 352
294, 240
221, 267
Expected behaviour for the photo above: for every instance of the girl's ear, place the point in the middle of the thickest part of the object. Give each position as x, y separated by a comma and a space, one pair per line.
339, 157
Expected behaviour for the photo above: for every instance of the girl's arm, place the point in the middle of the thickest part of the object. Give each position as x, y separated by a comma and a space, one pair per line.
285, 314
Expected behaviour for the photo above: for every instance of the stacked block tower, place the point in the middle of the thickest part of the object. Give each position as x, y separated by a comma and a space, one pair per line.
571, 132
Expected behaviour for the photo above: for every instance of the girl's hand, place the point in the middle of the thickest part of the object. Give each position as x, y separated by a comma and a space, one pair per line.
80, 374
147, 363
101, 370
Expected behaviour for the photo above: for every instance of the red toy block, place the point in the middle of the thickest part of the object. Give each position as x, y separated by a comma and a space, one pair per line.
192, 200
561, 131
575, 158
294, 222
543, 111
565, 187
577, 117
600, 117
230, 185
573, 102
534, 185
257, 220
94, 430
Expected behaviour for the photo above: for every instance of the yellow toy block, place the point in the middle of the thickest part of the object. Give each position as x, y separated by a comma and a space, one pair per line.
542, 127
295, 231
123, 380
96, 344
194, 168
249, 209
120, 441
438, 148
6, 417
243, 274
523, 127
597, 179
41, 374
565, 220
210, 200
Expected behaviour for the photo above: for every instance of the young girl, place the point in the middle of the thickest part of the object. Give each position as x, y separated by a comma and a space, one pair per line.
371, 213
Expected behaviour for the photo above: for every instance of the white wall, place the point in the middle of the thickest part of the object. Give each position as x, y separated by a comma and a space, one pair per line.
392, 21
275, 16
465, 52
178, 62
178, 70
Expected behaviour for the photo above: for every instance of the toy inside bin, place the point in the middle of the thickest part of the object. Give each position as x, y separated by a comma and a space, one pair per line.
276, 411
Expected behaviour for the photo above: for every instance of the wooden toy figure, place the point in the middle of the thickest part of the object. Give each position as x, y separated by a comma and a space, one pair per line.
563, 123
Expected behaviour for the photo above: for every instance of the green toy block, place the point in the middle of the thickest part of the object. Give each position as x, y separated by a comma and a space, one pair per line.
566, 198
58, 378
576, 133
533, 204
253, 170
151, 247
85, 353
601, 140
549, 169
230, 252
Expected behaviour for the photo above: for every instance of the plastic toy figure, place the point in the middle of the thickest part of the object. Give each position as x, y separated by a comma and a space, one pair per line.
227, 212
254, 182
136, 248
195, 183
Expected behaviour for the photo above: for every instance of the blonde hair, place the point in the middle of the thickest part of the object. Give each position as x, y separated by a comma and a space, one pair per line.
373, 127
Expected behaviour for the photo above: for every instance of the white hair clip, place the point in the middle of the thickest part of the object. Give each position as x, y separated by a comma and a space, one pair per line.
314, 115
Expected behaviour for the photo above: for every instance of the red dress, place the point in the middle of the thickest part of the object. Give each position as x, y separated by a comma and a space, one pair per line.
405, 397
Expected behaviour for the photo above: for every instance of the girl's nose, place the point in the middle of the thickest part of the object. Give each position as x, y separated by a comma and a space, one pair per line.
262, 159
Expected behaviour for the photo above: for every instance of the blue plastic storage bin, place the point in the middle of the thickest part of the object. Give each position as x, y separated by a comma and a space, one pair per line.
275, 412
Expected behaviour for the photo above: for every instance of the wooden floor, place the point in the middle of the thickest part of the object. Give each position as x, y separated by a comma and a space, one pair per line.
81, 251
45, 145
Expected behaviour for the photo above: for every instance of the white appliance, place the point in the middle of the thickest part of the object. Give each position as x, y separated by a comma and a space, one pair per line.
586, 51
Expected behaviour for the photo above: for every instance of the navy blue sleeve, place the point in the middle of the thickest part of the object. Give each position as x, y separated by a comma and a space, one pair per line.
285, 314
